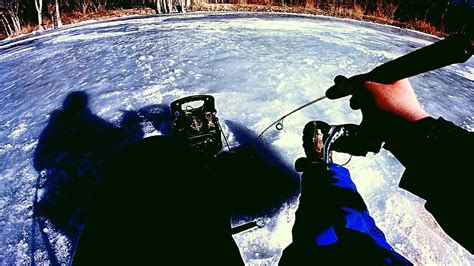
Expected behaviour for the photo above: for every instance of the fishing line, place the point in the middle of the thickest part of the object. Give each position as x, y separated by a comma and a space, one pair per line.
279, 122
225, 138
348, 161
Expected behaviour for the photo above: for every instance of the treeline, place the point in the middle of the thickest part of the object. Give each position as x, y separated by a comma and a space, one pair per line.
41, 14
445, 16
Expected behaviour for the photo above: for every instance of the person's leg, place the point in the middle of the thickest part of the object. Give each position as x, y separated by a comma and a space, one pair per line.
332, 223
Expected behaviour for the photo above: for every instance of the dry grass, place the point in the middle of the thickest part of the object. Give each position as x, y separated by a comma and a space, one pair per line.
24, 30
344, 12
424, 26
104, 14
28, 28
383, 14
76, 17
254, 8
359, 11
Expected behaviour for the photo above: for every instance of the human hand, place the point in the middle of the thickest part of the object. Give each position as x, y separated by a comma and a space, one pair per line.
383, 106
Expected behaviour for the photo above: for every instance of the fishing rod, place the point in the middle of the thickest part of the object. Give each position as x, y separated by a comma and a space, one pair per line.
453, 49
279, 122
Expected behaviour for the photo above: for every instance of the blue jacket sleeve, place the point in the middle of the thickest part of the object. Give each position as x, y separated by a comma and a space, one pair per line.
333, 225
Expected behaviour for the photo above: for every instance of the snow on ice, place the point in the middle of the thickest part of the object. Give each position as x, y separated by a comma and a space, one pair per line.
258, 67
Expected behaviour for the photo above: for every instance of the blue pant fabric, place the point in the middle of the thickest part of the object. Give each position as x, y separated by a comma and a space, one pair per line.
333, 225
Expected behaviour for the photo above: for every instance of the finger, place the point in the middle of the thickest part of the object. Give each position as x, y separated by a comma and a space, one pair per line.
341, 88
340, 79
334, 93
355, 103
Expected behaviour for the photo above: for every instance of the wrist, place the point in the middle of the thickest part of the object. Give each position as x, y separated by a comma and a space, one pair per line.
415, 115
409, 139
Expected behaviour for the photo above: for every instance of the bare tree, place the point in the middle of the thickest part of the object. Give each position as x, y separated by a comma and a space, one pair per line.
183, 4
39, 8
6, 25
85, 5
10, 18
179, 6
158, 7
163, 6
101, 4
188, 4
166, 6
57, 15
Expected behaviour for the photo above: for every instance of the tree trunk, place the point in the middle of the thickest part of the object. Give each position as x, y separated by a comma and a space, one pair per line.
189, 4
6, 25
163, 6
39, 8
168, 8
15, 20
84, 6
57, 15
158, 7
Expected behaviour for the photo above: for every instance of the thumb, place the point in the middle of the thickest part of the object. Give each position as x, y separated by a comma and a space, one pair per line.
341, 88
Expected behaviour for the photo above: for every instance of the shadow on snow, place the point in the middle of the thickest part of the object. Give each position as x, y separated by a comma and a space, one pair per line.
75, 147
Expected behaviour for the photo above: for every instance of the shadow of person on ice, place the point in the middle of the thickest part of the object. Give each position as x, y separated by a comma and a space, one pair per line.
131, 126
70, 157
159, 202
260, 179
159, 190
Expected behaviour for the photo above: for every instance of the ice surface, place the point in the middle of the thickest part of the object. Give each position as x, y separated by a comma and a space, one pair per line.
258, 67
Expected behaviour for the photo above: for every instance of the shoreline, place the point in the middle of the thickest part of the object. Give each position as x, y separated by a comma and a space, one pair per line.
340, 12
107, 15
